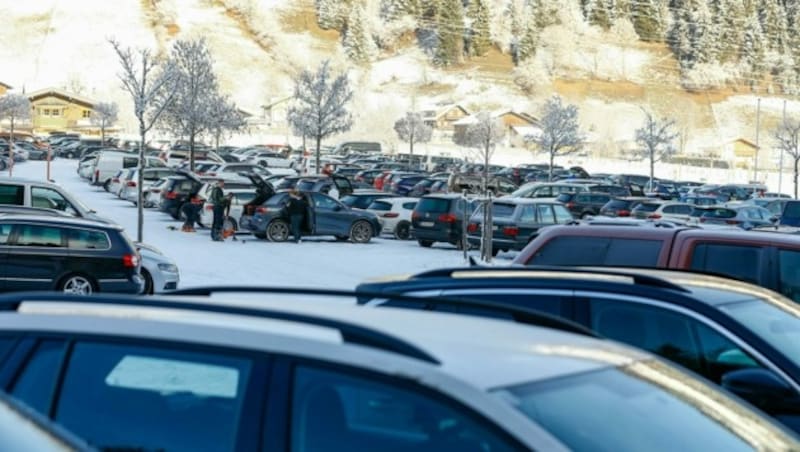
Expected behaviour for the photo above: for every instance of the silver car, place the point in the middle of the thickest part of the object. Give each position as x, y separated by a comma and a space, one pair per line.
160, 273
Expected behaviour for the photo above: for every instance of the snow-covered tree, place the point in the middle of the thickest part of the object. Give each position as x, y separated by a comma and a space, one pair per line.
320, 105
774, 25
393, 9
14, 108
560, 134
753, 47
412, 129
656, 140
731, 14
450, 33
528, 41
787, 139
482, 135
104, 114
332, 14
358, 42
598, 12
479, 34
646, 19
187, 116
225, 119
151, 83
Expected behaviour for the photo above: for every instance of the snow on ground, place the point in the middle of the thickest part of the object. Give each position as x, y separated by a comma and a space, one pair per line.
316, 262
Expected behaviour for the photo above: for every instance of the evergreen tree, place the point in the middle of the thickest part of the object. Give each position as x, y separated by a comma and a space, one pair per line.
731, 31
773, 24
753, 45
679, 38
393, 9
598, 13
480, 39
704, 33
529, 39
450, 31
358, 42
646, 20
793, 32
332, 14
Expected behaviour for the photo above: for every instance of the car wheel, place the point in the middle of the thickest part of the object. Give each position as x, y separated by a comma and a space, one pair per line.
361, 232
77, 284
107, 185
148, 283
403, 231
495, 252
278, 231
70, 155
425, 243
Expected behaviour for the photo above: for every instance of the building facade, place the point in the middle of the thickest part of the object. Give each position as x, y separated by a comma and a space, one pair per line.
4, 88
54, 110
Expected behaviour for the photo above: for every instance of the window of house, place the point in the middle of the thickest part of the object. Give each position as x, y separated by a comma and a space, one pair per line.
55, 112
47, 112
87, 113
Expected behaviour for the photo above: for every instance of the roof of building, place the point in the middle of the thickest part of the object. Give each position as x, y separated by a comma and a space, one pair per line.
472, 119
6, 86
60, 93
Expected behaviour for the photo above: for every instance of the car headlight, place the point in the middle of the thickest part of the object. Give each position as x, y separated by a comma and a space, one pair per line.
169, 268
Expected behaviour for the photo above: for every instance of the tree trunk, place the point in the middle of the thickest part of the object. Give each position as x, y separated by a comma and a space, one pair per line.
102, 133
191, 150
216, 142
11, 150
317, 154
796, 162
485, 181
652, 170
552, 160
139, 182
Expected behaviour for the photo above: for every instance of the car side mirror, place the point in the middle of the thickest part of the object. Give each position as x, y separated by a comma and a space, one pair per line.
760, 387
337, 208
774, 218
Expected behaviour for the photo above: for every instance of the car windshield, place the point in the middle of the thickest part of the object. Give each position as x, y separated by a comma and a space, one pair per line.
653, 407
305, 185
777, 321
437, 205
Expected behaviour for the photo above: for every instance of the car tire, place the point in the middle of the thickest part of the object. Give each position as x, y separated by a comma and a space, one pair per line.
278, 231
107, 185
148, 283
495, 252
402, 231
78, 284
425, 243
361, 232
260, 235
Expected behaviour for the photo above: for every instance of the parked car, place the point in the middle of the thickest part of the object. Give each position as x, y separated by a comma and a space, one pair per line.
175, 191
237, 168
159, 272
66, 254
239, 198
367, 176
269, 159
700, 200
394, 215
32, 193
325, 185
363, 199
743, 216
582, 205
726, 331
441, 218
790, 216
763, 258
516, 221
662, 210
402, 185
633, 182
109, 163
150, 176
407, 384
549, 189
86, 168
21, 428
326, 216
621, 207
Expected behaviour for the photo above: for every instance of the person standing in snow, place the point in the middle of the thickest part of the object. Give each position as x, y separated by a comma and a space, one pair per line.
296, 207
220, 202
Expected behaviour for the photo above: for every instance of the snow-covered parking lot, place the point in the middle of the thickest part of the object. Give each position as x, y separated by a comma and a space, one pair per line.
316, 262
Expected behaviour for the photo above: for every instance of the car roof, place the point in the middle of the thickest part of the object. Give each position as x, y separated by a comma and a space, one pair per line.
454, 342
510, 200
61, 221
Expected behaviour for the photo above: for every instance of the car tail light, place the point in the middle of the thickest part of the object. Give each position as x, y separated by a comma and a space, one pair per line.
732, 221
623, 213
391, 215
447, 218
261, 210
209, 207
416, 215
472, 227
570, 205
654, 216
513, 231
212, 173
115, 179
97, 175
171, 195
130, 261
131, 183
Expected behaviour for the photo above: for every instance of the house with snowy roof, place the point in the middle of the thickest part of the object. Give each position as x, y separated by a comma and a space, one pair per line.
443, 116
4, 88
518, 125
55, 109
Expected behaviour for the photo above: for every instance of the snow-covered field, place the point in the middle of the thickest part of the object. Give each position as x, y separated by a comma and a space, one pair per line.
316, 262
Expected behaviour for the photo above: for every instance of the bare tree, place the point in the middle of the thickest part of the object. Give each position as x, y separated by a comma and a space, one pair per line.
150, 82
412, 129
656, 141
224, 119
320, 105
195, 93
482, 135
104, 114
14, 108
787, 136
560, 132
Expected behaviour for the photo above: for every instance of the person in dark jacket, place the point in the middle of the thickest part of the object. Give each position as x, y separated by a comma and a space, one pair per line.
220, 202
191, 210
296, 207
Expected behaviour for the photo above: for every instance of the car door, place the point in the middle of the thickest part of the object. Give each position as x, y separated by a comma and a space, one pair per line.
5, 238
48, 198
331, 217
129, 395
37, 255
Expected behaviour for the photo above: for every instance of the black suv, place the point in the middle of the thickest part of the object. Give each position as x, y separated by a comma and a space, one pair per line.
440, 218
621, 207
582, 205
176, 191
70, 255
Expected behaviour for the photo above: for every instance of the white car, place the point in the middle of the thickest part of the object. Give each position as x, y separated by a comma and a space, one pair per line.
160, 273
86, 168
394, 215
241, 196
151, 176
270, 159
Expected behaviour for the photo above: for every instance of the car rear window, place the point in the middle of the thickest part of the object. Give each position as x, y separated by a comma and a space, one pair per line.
499, 210
380, 205
576, 250
792, 209
438, 205
305, 185
617, 204
738, 261
647, 207
719, 213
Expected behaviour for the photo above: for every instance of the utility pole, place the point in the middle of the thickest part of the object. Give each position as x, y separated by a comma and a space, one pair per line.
780, 165
758, 129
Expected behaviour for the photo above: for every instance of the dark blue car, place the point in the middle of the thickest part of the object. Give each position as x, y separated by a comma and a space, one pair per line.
791, 214
405, 184
326, 216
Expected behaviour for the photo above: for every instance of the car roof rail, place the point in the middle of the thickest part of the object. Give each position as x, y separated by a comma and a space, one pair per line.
638, 279
350, 332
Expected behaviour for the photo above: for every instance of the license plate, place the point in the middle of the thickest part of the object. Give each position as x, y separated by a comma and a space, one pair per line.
494, 228
426, 224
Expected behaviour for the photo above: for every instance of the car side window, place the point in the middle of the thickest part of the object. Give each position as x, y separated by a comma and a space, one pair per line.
323, 202
562, 214
173, 399
48, 198
363, 413
545, 214
528, 214
35, 384
130, 162
84, 239
12, 194
633, 252
5, 233
410, 205
566, 250
738, 261
36, 235
789, 273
